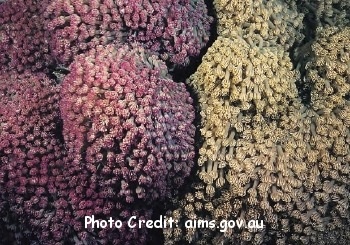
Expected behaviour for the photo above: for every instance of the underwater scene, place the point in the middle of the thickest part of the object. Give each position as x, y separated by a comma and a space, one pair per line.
174, 122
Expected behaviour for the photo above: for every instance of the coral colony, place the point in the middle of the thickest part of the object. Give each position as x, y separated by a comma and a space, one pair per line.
92, 124
98, 141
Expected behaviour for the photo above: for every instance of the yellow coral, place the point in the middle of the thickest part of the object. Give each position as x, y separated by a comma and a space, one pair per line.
327, 72
265, 153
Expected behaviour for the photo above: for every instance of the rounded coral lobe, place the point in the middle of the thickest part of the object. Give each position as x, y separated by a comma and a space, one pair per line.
30, 156
126, 122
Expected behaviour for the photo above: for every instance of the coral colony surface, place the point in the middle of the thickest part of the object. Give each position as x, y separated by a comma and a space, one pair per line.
181, 110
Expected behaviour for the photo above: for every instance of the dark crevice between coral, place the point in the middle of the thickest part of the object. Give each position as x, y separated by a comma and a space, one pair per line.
58, 131
300, 52
56, 72
16, 233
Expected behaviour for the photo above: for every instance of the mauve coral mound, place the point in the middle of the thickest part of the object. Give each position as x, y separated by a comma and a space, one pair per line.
129, 135
128, 123
30, 153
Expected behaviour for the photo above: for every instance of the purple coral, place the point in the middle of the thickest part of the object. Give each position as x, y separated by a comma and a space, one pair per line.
177, 29
127, 126
23, 44
128, 123
30, 152
75, 26
128, 131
